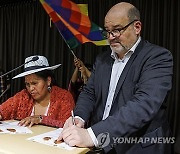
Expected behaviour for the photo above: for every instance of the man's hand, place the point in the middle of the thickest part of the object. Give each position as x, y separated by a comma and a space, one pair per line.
75, 136
29, 121
69, 123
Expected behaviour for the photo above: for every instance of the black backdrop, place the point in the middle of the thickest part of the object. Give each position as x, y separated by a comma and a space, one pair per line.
25, 30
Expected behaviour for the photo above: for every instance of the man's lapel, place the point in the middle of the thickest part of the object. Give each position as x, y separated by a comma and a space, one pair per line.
106, 78
126, 69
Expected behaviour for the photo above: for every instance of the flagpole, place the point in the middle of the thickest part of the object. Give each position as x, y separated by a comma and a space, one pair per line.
68, 46
73, 53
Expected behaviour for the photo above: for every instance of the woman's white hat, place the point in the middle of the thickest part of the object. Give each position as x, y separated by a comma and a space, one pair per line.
35, 64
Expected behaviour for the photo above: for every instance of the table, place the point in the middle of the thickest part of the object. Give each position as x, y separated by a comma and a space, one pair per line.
17, 144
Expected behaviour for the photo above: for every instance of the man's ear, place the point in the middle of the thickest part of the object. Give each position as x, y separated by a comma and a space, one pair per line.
137, 26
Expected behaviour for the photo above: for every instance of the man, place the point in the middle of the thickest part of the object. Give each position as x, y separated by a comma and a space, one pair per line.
125, 95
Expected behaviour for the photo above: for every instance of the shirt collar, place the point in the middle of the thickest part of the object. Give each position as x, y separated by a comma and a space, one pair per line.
114, 55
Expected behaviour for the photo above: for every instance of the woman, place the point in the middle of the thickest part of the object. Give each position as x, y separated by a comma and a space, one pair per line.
42, 102
78, 81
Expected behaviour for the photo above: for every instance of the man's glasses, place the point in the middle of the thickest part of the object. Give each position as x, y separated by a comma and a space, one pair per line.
116, 32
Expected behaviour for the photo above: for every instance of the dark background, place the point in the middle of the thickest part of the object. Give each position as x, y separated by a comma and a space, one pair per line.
25, 30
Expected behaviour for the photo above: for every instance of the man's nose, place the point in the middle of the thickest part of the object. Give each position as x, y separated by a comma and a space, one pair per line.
111, 36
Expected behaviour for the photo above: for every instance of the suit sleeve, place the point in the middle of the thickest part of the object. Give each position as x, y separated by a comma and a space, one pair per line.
86, 99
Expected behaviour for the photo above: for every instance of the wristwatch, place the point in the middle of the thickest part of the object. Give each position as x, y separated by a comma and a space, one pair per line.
40, 118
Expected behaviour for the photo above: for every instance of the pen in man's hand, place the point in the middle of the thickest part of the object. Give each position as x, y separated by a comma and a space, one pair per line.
73, 120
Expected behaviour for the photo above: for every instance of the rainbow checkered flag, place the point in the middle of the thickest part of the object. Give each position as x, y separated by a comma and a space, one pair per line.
73, 22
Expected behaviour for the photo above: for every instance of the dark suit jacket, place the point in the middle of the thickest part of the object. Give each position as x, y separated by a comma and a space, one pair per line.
138, 108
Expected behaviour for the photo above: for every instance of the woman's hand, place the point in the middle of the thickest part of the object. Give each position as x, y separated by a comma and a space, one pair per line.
77, 62
29, 121
85, 73
82, 69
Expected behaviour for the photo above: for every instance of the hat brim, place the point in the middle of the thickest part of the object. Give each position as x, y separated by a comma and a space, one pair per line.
36, 70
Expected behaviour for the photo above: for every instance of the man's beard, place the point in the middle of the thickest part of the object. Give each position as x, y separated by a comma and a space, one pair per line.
119, 49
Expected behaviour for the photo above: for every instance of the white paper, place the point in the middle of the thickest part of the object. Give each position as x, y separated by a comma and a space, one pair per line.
13, 128
52, 135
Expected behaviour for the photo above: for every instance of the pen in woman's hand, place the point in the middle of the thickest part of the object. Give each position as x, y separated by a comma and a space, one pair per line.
72, 115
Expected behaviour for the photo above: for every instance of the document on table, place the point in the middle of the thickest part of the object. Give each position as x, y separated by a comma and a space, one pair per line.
13, 128
50, 138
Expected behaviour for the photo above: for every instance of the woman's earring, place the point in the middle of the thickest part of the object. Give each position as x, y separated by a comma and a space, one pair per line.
49, 88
